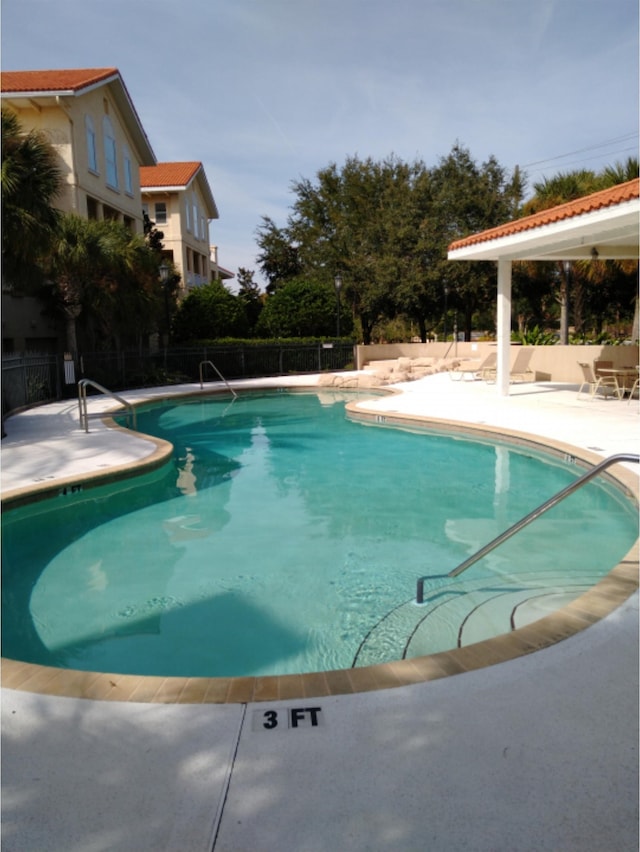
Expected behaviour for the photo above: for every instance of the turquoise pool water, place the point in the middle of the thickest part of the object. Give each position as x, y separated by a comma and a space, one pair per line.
285, 538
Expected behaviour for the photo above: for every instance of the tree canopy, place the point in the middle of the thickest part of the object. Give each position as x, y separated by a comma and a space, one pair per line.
101, 271
210, 312
385, 227
299, 308
31, 182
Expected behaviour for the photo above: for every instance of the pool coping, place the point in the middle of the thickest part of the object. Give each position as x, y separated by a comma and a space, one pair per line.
599, 601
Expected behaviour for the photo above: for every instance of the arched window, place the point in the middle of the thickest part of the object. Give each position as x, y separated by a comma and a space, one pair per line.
90, 131
110, 153
128, 171
194, 208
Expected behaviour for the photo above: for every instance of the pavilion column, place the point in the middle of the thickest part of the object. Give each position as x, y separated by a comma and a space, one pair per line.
504, 326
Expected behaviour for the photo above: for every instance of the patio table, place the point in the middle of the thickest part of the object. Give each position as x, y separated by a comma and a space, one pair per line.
624, 377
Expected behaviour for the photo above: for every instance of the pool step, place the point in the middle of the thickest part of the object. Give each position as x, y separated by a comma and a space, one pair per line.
485, 613
456, 615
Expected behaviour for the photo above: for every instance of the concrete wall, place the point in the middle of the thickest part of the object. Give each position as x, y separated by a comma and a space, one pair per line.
551, 363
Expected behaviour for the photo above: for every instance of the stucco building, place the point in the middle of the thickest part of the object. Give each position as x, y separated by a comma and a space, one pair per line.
89, 118
178, 199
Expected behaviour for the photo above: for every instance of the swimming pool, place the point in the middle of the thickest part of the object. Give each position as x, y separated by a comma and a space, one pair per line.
285, 538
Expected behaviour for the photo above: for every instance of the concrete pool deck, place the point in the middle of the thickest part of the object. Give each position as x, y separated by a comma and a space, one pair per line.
538, 752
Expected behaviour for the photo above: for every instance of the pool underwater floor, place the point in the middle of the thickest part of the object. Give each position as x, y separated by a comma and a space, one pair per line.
539, 751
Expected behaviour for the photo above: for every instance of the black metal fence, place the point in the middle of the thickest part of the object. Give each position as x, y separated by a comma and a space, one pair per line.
29, 379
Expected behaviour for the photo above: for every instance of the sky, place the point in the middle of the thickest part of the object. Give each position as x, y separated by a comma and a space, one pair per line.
266, 92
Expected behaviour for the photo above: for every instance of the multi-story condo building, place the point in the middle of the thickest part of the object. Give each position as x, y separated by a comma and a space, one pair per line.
178, 199
88, 117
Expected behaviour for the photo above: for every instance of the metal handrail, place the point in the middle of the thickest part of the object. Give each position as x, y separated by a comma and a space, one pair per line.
202, 363
82, 402
544, 507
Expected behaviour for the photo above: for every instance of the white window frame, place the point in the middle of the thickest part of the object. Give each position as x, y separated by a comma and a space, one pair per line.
160, 219
128, 171
92, 152
110, 153
196, 218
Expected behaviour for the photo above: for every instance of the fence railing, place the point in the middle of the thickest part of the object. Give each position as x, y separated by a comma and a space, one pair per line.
31, 378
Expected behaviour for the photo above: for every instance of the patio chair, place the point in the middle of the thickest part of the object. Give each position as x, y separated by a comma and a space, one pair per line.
601, 365
474, 371
596, 383
634, 386
519, 371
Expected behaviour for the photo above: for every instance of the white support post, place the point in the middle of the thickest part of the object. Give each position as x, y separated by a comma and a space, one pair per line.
504, 326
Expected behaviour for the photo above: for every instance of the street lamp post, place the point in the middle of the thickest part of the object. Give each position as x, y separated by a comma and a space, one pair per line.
164, 271
446, 293
337, 283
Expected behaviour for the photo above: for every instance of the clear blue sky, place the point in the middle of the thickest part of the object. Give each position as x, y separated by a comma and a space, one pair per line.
264, 92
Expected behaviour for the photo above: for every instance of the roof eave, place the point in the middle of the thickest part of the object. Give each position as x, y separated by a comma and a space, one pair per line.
120, 95
125, 104
612, 231
200, 177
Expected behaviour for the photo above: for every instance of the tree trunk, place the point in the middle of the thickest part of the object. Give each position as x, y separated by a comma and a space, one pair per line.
564, 314
635, 332
71, 313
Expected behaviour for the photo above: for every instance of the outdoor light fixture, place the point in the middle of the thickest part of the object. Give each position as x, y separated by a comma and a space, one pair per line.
163, 269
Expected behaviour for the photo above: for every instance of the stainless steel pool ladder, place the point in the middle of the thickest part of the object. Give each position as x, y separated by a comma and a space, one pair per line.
548, 504
222, 378
82, 402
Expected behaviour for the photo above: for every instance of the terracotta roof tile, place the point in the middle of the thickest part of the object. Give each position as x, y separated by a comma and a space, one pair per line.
588, 204
72, 79
168, 174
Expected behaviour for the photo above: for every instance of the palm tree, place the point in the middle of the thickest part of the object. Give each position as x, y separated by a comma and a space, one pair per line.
31, 181
138, 300
620, 172
82, 253
563, 187
102, 271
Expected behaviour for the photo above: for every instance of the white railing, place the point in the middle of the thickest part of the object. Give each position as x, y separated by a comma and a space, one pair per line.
82, 402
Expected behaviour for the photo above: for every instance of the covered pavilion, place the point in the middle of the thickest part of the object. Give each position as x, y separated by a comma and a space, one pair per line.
604, 225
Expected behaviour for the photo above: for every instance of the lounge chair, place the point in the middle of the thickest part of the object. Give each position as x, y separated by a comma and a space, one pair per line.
596, 383
470, 371
519, 371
